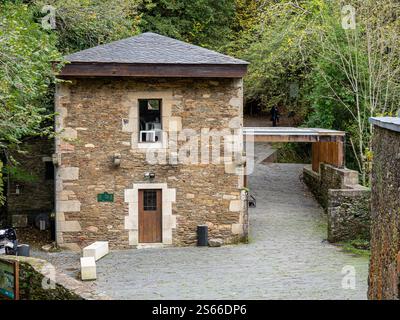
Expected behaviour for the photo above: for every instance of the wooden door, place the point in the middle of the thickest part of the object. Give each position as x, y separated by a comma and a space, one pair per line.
150, 216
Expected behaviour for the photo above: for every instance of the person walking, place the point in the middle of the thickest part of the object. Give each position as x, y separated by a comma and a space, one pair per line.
274, 116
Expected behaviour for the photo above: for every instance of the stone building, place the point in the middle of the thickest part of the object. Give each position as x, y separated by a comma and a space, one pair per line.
136, 162
384, 269
30, 192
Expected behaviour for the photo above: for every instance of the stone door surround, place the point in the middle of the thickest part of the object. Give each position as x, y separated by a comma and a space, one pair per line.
131, 197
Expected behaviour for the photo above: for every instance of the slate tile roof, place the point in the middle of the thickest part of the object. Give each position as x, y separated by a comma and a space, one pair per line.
152, 48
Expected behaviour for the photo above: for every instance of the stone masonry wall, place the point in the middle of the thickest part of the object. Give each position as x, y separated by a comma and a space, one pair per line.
328, 178
348, 214
98, 119
345, 201
39, 280
36, 195
384, 273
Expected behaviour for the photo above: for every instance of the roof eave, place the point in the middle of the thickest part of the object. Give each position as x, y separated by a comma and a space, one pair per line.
100, 69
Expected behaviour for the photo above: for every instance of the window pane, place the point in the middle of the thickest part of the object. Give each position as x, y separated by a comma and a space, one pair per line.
150, 126
150, 200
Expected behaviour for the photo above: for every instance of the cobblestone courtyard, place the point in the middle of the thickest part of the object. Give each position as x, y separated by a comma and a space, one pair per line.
287, 257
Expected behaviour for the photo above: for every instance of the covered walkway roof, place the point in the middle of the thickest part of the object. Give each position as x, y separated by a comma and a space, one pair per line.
327, 145
289, 134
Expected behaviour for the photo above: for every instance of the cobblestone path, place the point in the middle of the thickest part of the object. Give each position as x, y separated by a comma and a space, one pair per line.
287, 257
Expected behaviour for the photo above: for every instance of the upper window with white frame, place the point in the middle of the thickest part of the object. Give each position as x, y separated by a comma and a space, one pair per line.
150, 124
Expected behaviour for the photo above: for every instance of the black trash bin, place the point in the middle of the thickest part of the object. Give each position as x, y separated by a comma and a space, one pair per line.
23, 250
202, 235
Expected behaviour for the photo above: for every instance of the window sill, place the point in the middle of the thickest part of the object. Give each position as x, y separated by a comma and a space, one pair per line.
150, 145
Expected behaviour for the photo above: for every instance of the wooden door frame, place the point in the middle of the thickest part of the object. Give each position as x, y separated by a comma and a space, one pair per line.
158, 211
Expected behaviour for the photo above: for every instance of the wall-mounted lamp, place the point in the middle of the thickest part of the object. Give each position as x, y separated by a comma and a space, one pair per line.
17, 189
149, 175
116, 159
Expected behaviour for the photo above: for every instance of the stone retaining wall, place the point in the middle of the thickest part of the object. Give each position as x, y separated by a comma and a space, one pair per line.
348, 214
34, 279
344, 200
384, 273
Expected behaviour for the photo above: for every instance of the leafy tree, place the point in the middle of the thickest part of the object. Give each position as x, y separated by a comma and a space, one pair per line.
203, 22
82, 24
278, 50
356, 73
25, 74
244, 27
340, 76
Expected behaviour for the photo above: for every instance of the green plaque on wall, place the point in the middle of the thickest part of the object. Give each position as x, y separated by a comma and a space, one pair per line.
105, 197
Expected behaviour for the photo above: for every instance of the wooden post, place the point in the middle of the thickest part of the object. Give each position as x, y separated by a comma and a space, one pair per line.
327, 152
315, 156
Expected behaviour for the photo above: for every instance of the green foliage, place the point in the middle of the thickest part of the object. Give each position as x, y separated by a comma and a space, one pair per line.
359, 247
25, 74
81, 24
27, 51
278, 48
355, 75
293, 152
2, 198
203, 22
301, 57
19, 174
340, 77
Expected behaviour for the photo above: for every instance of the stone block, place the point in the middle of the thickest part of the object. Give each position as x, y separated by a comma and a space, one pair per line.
167, 236
215, 242
64, 194
237, 228
131, 223
235, 102
88, 268
69, 133
92, 229
166, 208
230, 167
175, 124
131, 195
97, 250
170, 195
60, 216
169, 222
68, 173
59, 238
350, 177
133, 209
68, 206
133, 237
69, 226
235, 205
229, 197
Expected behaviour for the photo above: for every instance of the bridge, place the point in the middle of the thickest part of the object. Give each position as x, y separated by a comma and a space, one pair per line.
327, 145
